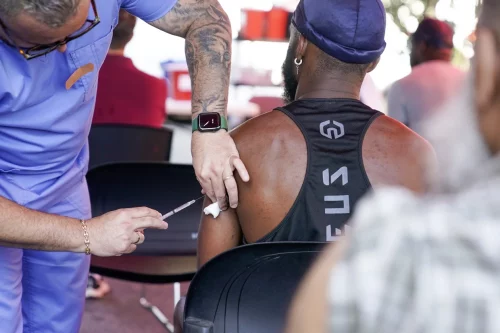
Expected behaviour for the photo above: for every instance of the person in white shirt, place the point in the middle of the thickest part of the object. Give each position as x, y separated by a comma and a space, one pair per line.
430, 263
433, 79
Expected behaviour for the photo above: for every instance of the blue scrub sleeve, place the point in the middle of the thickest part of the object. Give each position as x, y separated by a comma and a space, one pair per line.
148, 10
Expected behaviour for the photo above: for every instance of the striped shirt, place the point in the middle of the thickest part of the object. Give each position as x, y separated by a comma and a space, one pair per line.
427, 264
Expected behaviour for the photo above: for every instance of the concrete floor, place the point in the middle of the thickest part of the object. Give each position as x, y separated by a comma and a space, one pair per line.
120, 311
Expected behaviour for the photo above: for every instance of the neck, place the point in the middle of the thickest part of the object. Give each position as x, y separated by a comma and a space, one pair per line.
118, 52
440, 56
329, 87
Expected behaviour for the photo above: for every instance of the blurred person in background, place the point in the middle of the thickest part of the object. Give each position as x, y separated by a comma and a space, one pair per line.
125, 95
428, 264
433, 79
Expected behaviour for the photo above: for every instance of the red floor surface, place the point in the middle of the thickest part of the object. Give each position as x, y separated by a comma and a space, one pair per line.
120, 311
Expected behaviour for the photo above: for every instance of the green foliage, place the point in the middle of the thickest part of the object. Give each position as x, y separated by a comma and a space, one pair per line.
404, 11
393, 6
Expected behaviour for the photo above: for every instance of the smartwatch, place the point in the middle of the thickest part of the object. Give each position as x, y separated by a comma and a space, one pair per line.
209, 122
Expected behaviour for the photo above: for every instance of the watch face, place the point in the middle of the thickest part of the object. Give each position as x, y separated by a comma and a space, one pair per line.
209, 121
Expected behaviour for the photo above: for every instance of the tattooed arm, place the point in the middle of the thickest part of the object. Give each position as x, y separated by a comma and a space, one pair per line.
206, 28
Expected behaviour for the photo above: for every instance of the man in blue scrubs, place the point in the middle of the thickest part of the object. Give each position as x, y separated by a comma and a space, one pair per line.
50, 55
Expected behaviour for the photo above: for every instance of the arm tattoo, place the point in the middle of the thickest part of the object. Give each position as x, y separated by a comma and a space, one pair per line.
213, 104
217, 14
207, 30
191, 59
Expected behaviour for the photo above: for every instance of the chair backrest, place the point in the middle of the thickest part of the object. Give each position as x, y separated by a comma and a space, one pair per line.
247, 289
160, 186
128, 143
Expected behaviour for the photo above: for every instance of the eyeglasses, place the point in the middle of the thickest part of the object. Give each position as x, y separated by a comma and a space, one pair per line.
41, 50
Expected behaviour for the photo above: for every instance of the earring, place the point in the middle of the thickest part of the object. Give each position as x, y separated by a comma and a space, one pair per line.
298, 62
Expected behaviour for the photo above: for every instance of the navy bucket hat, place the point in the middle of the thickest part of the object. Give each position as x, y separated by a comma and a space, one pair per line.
351, 31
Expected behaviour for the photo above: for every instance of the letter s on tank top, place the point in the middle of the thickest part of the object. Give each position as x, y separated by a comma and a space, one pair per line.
335, 178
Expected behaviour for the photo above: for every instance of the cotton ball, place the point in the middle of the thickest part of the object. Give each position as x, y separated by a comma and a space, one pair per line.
213, 209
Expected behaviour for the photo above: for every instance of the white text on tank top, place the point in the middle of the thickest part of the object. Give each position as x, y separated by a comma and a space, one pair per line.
335, 130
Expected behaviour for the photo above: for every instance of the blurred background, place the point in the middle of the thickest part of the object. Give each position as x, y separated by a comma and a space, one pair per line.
260, 41
260, 32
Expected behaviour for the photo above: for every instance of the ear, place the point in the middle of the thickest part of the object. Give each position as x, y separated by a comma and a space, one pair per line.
301, 47
373, 65
485, 69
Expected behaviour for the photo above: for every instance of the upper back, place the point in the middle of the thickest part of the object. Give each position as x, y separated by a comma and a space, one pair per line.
431, 76
319, 179
423, 91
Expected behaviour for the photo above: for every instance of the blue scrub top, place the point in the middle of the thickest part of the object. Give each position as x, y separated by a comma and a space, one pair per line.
43, 126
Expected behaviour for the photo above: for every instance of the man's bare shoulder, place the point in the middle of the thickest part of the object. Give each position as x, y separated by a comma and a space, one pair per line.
257, 134
275, 154
395, 155
393, 129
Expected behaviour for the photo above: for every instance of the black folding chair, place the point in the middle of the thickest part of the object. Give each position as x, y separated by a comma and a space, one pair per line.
247, 289
128, 143
167, 256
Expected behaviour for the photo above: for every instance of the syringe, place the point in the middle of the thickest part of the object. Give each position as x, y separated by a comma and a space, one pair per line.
178, 209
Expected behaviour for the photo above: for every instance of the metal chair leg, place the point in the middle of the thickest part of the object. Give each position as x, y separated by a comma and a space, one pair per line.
177, 293
155, 311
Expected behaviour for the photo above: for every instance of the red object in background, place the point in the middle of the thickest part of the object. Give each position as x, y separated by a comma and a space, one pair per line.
180, 81
277, 20
125, 95
254, 24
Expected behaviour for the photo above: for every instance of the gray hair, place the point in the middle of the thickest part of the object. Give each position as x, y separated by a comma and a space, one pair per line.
53, 13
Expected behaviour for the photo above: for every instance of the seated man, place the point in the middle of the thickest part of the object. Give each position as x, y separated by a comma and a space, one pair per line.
430, 263
126, 95
313, 159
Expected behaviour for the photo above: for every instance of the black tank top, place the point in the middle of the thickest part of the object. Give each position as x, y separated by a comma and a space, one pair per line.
335, 177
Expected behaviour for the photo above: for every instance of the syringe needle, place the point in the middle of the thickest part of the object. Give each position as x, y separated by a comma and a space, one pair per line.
178, 209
